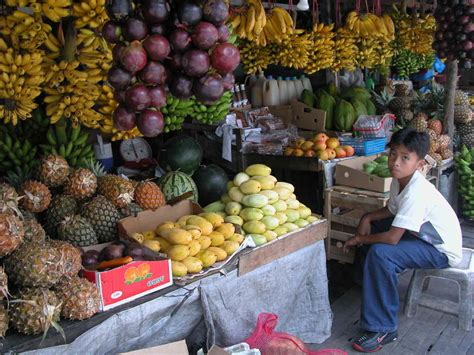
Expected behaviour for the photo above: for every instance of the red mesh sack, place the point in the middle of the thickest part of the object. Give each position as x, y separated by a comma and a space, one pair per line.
270, 342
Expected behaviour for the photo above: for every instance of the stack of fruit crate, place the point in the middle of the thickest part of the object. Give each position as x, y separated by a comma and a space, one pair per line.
344, 206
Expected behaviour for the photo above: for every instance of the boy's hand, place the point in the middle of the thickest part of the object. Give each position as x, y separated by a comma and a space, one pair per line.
350, 243
364, 226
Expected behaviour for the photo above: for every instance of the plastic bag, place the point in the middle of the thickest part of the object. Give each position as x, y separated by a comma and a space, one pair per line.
375, 126
270, 342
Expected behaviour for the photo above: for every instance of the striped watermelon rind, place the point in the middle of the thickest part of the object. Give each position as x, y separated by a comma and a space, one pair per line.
176, 183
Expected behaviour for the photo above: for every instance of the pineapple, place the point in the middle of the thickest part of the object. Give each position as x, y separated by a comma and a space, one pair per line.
444, 141
434, 146
436, 126
34, 310
438, 158
82, 184
53, 170
400, 103
9, 199
103, 217
3, 284
462, 114
117, 189
71, 262
4, 320
12, 233
419, 124
34, 232
405, 115
131, 209
446, 153
35, 265
149, 196
461, 98
36, 196
77, 231
466, 133
61, 206
402, 90
382, 100
80, 297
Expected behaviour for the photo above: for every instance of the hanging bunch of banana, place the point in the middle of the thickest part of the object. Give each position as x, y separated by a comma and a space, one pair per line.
21, 78
375, 35
279, 26
54, 10
254, 58
90, 13
416, 32
294, 50
345, 50
322, 50
250, 21
107, 105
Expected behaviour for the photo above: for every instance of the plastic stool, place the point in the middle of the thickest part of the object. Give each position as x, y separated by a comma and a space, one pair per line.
463, 274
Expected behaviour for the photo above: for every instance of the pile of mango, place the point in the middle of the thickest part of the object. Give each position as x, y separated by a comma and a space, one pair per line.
264, 207
342, 109
193, 242
378, 166
321, 147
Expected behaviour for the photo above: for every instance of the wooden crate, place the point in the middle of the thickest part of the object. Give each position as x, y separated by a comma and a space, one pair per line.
343, 208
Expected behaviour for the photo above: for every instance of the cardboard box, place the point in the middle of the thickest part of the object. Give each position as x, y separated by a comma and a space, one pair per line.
350, 173
301, 115
128, 282
148, 220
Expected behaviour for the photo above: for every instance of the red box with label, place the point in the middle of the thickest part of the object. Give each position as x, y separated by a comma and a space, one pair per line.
128, 282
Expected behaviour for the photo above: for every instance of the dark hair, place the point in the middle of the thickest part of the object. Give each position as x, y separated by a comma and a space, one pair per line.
418, 142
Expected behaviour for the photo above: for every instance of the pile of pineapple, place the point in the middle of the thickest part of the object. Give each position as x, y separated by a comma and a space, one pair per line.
423, 112
43, 223
264, 207
193, 242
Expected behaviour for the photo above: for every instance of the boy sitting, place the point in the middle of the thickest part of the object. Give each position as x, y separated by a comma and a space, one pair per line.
417, 229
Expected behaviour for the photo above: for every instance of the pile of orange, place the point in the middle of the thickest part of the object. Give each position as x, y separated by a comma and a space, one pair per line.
321, 147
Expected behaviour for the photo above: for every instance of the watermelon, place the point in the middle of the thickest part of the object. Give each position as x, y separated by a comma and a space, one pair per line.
176, 183
211, 181
181, 154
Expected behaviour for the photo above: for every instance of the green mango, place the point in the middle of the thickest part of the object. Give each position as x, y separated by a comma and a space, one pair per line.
308, 98
359, 108
371, 110
332, 89
327, 103
356, 93
344, 116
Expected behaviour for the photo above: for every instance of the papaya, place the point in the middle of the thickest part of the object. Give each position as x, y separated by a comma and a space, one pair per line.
371, 110
319, 92
359, 107
308, 98
356, 92
344, 116
332, 90
327, 103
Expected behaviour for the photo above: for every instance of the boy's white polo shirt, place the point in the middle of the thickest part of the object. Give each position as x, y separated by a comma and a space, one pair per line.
421, 209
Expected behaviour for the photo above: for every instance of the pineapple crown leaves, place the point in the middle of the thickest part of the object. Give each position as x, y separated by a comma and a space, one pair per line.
96, 167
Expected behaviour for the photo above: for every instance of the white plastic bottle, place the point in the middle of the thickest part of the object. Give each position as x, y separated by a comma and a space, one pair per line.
271, 94
306, 83
291, 89
256, 93
283, 89
299, 87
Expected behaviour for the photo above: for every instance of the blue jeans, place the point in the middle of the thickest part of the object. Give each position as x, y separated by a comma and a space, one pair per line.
379, 265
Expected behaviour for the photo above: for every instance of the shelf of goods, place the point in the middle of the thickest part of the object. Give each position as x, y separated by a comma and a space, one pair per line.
344, 206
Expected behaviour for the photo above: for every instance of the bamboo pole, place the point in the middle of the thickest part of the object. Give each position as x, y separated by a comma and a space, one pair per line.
450, 88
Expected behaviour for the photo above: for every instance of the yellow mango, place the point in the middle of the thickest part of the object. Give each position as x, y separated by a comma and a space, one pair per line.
194, 247
312, 219
205, 242
195, 231
149, 235
230, 247
236, 195
220, 253
286, 185
226, 198
250, 187
293, 204
194, 265
258, 170
164, 244
216, 239
230, 185
290, 226
301, 223
283, 193
177, 252
233, 208
138, 237
239, 238
268, 210
227, 229
251, 214
304, 211
234, 220
274, 179
293, 196
255, 200
282, 217
270, 235
254, 227
207, 257
152, 244
280, 206
178, 269
240, 178
177, 236
271, 195
266, 182
270, 222
164, 225
280, 230
182, 221
215, 219
292, 215
204, 224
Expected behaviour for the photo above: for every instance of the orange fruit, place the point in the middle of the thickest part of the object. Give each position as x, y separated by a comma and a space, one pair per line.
332, 143
320, 137
298, 152
131, 274
349, 150
143, 269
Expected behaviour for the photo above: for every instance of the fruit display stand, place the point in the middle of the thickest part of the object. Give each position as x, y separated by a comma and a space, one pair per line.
344, 206
207, 305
